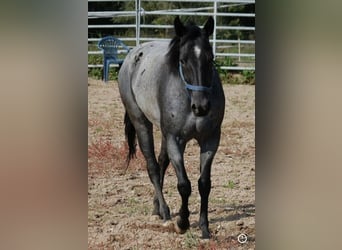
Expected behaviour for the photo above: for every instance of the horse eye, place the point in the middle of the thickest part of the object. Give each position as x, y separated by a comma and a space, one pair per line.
182, 61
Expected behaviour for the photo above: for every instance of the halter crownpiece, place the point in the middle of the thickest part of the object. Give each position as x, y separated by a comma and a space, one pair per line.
191, 86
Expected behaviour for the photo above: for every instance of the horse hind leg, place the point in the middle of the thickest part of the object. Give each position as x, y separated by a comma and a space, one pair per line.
144, 131
163, 161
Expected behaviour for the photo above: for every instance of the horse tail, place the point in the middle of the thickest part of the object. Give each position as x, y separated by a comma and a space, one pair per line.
130, 137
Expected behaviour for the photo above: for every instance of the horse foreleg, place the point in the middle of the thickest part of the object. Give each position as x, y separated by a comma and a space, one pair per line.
175, 149
208, 151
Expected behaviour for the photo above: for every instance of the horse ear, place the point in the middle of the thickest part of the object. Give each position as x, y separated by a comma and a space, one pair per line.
179, 27
209, 26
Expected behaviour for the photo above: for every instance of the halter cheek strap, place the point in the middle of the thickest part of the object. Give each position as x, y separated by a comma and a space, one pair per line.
191, 86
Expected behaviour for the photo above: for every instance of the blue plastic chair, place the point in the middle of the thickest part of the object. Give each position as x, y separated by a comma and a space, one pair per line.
110, 45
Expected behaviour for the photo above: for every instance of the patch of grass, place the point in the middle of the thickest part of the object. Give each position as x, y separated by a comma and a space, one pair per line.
104, 157
218, 200
249, 77
245, 77
99, 129
97, 73
170, 193
234, 77
134, 207
229, 185
190, 240
133, 201
102, 149
146, 210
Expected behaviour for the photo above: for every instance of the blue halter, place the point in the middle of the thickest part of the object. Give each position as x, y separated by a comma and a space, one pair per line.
191, 86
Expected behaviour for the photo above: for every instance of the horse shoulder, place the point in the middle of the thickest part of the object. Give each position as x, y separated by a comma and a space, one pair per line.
146, 77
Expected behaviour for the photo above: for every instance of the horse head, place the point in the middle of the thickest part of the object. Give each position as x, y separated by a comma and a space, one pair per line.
194, 56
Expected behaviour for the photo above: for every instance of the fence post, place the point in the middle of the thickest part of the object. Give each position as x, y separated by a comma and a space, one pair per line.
214, 34
239, 47
137, 22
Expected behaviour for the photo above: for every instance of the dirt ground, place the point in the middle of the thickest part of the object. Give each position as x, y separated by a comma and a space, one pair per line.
120, 202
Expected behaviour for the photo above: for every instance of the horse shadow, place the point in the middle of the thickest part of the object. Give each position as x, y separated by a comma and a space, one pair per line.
239, 212
230, 213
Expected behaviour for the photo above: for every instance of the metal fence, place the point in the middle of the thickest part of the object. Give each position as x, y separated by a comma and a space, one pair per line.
235, 54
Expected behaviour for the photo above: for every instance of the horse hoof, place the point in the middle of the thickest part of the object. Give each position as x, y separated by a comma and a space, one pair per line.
202, 241
168, 225
178, 229
155, 217
206, 235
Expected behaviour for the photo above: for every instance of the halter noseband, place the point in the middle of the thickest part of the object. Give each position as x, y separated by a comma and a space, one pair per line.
191, 86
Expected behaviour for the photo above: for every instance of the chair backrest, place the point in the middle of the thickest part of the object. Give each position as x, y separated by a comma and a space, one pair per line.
110, 45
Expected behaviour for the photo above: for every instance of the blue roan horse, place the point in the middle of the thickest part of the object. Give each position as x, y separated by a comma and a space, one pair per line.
175, 87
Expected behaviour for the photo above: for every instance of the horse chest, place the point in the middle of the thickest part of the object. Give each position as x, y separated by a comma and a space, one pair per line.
193, 127
203, 125
178, 118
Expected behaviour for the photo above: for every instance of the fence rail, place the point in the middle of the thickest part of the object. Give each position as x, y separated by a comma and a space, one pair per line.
241, 51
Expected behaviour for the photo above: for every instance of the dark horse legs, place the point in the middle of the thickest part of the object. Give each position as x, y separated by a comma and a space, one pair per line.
172, 149
176, 152
175, 149
208, 151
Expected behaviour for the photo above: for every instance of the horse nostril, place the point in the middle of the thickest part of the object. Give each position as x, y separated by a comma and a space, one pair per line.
193, 107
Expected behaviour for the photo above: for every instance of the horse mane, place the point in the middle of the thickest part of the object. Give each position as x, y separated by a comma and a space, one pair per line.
192, 32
